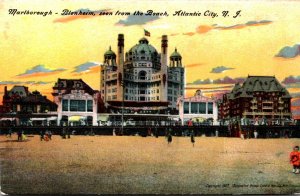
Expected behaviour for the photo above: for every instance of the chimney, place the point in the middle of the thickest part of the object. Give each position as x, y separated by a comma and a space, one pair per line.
120, 49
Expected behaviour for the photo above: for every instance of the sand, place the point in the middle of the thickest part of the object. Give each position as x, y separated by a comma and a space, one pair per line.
134, 164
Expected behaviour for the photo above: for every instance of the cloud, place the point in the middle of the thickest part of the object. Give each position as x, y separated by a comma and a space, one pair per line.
69, 18
174, 34
289, 51
209, 88
39, 70
137, 20
23, 83
201, 29
237, 26
247, 24
204, 29
291, 80
10, 82
295, 102
220, 69
194, 65
295, 95
86, 68
189, 33
225, 80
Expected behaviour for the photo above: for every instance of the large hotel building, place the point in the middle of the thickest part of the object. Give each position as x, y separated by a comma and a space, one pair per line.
142, 80
260, 99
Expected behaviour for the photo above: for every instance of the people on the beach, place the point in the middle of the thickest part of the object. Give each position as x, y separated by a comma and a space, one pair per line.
63, 133
50, 135
255, 134
23, 136
19, 135
9, 133
42, 135
190, 123
193, 138
295, 159
169, 138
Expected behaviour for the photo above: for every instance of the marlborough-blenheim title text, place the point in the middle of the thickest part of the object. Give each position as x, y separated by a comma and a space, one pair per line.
67, 12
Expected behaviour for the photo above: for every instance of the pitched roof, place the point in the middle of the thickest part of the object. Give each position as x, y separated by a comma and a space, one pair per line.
72, 84
257, 83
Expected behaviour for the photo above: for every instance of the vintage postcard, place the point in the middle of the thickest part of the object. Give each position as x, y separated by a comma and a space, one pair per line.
149, 97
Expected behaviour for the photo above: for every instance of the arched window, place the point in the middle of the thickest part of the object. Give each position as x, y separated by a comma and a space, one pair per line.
142, 75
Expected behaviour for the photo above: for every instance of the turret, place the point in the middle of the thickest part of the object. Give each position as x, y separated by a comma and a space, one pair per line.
110, 57
175, 59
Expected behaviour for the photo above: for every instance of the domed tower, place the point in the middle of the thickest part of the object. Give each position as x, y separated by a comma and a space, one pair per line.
177, 79
175, 59
110, 57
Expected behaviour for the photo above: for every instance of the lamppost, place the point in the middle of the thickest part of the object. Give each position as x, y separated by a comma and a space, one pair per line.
122, 84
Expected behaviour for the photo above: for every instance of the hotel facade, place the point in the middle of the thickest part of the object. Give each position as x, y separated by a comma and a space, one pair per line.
142, 80
259, 100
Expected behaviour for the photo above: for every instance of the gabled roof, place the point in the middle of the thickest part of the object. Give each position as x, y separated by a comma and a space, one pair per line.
257, 84
73, 84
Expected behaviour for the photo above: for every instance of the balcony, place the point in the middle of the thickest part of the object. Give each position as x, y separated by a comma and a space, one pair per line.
267, 113
267, 107
253, 107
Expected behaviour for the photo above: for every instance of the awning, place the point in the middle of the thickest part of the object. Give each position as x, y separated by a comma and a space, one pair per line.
199, 119
4, 119
103, 117
76, 118
37, 119
52, 118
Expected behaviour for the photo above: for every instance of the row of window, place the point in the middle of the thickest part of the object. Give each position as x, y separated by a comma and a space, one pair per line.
77, 105
114, 97
142, 91
198, 108
112, 90
142, 98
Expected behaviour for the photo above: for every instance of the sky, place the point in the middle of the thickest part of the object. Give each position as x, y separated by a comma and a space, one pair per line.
217, 51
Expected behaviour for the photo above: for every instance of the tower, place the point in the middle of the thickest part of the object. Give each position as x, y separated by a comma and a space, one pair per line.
164, 68
110, 58
175, 59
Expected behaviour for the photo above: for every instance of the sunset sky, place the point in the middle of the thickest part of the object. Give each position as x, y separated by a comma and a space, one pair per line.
217, 52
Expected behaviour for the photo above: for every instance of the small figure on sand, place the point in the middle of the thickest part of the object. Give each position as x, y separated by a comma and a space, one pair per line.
193, 138
42, 135
169, 138
295, 159
19, 135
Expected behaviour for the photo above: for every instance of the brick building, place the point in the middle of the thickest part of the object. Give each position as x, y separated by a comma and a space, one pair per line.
259, 100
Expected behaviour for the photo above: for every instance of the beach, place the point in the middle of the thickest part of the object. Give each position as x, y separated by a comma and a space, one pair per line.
149, 165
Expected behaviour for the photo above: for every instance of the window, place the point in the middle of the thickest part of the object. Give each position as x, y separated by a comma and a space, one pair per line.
77, 105
65, 105
170, 98
210, 108
186, 107
194, 108
90, 105
202, 108
142, 75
